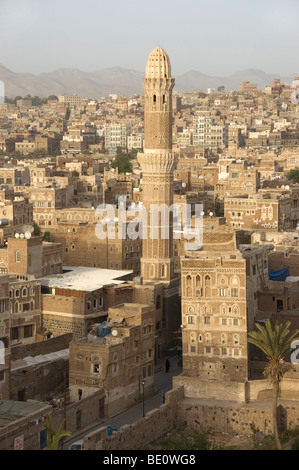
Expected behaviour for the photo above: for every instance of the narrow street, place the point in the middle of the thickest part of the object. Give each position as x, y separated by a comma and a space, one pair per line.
163, 383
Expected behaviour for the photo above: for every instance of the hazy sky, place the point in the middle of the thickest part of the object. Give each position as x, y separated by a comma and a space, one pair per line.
215, 37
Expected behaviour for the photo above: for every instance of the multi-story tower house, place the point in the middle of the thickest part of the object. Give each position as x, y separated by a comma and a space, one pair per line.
5, 349
157, 163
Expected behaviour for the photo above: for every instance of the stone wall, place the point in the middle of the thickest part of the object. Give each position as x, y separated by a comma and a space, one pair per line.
231, 418
42, 347
81, 413
39, 382
195, 414
134, 436
213, 389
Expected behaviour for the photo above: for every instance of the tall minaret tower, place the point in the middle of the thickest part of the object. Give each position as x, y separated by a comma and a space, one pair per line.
157, 164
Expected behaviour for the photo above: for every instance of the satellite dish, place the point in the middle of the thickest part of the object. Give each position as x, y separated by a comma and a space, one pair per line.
22, 235
114, 332
17, 235
184, 185
211, 214
27, 235
202, 213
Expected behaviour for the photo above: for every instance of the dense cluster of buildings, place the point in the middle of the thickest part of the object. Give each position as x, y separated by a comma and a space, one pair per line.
84, 318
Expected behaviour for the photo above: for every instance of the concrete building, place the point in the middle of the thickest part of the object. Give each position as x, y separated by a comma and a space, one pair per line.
116, 136
71, 101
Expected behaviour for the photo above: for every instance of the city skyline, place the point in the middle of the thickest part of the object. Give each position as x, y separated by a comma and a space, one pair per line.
214, 39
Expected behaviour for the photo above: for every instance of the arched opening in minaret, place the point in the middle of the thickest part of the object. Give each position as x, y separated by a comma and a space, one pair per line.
155, 98
164, 101
152, 270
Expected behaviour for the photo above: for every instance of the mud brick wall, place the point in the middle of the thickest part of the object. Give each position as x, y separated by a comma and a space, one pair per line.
39, 382
88, 408
42, 347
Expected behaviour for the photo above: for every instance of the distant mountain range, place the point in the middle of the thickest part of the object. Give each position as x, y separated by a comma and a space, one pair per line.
119, 80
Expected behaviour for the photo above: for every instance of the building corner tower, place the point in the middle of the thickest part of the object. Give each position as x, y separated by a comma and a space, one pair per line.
157, 163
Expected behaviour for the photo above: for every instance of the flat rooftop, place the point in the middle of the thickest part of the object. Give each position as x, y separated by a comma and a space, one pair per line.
85, 278
13, 410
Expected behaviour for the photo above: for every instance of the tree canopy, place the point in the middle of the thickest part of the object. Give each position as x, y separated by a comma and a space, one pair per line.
293, 175
275, 343
122, 162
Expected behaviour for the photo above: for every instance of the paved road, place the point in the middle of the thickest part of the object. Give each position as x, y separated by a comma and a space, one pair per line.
163, 382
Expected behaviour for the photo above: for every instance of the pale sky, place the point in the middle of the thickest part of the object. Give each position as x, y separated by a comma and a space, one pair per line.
215, 37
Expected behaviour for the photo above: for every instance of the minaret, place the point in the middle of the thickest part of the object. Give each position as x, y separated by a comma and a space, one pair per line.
157, 164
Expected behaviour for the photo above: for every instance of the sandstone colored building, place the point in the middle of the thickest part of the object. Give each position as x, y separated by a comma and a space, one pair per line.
157, 162
117, 356
73, 301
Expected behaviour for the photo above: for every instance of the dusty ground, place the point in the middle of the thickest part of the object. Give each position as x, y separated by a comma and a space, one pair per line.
223, 441
237, 442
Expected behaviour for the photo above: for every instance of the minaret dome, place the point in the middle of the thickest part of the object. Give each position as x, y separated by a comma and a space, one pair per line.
158, 64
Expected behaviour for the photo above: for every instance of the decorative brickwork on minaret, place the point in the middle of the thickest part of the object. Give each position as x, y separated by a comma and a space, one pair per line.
157, 163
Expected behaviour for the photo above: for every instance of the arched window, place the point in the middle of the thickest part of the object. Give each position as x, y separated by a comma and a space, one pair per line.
2, 352
154, 98
223, 338
198, 281
236, 310
152, 271
18, 256
158, 302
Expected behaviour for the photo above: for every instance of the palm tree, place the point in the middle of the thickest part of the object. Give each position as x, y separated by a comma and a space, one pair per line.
274, 343
55, 438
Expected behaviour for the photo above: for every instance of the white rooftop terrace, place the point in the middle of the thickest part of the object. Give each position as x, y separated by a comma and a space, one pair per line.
85, 278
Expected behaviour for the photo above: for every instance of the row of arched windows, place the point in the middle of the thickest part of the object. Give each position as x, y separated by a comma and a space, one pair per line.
23, 292
17, 306
206, 280
225, 339
207, 309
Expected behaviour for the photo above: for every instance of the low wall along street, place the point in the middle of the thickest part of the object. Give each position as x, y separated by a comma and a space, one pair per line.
195, 414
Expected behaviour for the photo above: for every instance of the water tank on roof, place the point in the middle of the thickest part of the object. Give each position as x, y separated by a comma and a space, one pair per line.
4, 222
102, 330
